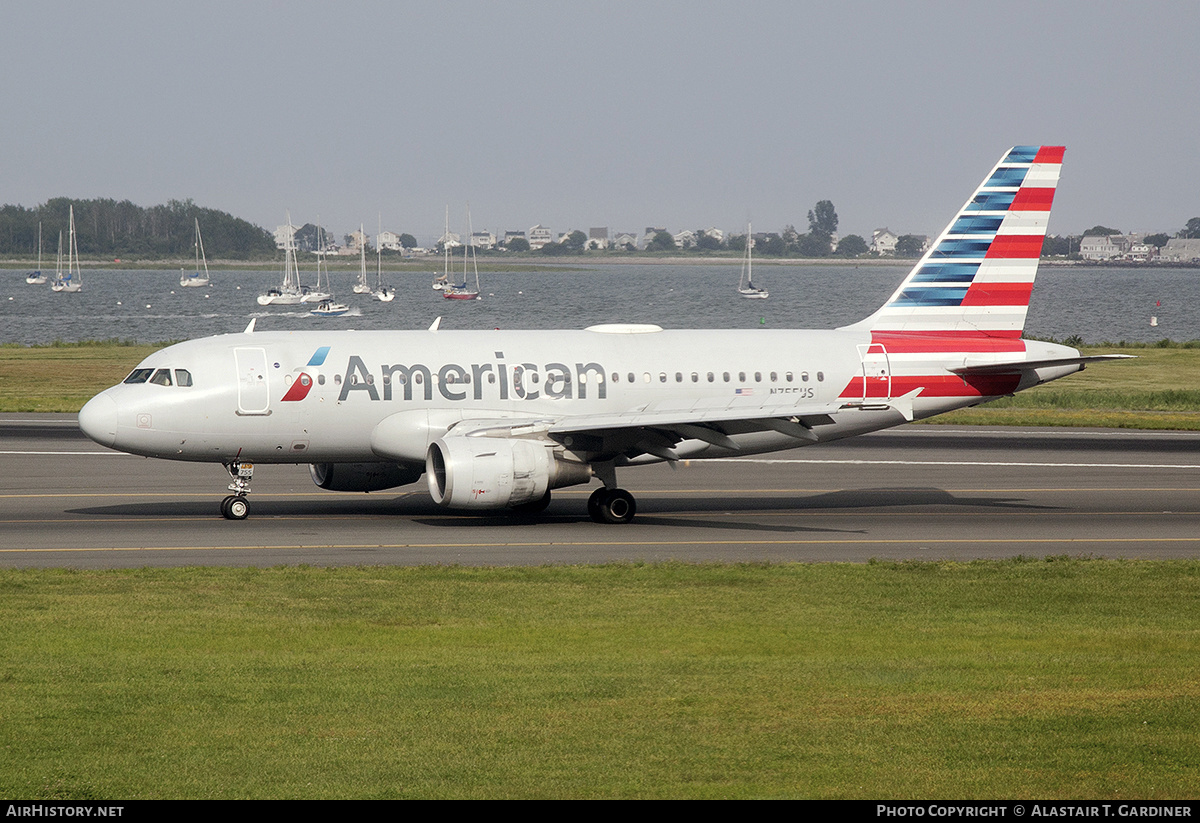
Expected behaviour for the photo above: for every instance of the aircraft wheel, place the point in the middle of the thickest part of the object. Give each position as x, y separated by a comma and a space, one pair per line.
235, 507
596, 503
533, 506
618, 507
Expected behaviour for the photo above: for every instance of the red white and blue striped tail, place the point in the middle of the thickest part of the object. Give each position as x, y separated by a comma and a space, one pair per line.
976, 279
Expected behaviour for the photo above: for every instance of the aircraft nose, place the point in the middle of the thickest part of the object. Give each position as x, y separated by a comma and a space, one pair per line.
98, 419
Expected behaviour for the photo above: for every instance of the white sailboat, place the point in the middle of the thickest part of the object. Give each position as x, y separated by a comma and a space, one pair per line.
746, 287
288, 292
443, 280
71, 280
383, 293
196, 278
321, 292
361, 286
36, 278
463, 291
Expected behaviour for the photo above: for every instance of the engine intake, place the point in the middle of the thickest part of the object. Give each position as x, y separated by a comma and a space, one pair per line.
479, 472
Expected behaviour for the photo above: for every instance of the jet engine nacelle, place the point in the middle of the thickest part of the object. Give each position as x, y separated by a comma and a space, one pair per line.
363, 477
494, 472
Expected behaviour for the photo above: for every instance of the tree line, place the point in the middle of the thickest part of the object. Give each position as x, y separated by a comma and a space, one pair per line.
122, 229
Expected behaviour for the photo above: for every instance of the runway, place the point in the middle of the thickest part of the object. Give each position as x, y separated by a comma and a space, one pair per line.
918, 492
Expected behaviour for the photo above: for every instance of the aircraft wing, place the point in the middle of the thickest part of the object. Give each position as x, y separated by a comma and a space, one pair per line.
657, 431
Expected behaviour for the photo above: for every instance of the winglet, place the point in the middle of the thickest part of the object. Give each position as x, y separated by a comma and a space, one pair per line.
437, 322
250, 326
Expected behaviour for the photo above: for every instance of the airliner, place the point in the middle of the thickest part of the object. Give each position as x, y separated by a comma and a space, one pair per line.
498, 419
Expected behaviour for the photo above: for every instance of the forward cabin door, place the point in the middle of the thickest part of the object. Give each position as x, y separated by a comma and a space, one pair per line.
254, 394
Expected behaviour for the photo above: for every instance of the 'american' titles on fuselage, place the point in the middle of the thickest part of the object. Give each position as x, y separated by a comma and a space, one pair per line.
454, 380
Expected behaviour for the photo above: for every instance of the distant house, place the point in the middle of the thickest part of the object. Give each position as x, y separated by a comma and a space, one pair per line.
1130, 247
513, 235
539, 236
649, 234
686, 239
624, 239
449, 240
1096, 247
389, 241
883, 241
285, 236
1180, 251
598, 238
483, 239
357, 241
715, 233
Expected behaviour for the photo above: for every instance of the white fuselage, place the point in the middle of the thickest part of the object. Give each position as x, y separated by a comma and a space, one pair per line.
303, 397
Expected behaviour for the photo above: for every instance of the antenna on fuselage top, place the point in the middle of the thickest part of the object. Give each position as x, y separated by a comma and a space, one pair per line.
250, 327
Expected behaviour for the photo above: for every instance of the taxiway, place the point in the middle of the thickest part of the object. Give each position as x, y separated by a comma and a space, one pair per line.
919, 492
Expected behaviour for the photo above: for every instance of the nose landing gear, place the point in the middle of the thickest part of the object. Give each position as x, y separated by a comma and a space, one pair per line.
236, 506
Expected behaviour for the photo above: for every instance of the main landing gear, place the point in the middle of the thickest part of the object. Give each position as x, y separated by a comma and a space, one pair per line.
236, 506
611, 505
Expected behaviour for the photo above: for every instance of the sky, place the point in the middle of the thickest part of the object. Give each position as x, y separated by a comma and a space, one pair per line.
581, 114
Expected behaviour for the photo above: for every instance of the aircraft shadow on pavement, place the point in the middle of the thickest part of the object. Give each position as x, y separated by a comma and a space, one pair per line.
675, 511
707, 512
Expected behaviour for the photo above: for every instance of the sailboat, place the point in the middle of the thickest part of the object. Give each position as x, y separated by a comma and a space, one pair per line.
463, 291
196, 278
443, 280
322, 291
71, 280
36, 278
288, 292
362, 286
383, 293
746, 287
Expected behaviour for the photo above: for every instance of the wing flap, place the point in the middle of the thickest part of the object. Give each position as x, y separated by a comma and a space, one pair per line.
816, 414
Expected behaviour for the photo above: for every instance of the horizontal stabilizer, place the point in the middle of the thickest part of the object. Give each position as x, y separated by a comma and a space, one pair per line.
1018, 366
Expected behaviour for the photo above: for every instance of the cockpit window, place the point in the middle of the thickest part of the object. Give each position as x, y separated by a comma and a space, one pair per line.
162, 377
183, 377
139, 375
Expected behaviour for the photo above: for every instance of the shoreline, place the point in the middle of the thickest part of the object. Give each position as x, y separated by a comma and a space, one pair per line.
433, 263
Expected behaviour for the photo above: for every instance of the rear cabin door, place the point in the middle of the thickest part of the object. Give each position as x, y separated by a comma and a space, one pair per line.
876, 371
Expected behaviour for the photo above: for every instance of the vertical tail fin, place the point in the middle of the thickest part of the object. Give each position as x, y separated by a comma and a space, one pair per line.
977, 276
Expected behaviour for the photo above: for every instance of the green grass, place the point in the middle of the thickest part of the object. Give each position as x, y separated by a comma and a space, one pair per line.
1158, 390
1056, 678
61, 377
